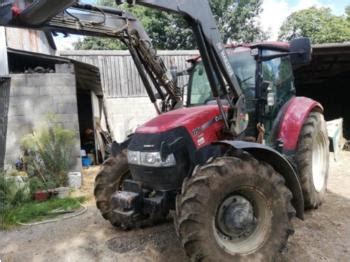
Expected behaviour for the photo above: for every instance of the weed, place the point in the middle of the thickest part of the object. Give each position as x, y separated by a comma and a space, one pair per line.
12, 193
36, 211
48, 152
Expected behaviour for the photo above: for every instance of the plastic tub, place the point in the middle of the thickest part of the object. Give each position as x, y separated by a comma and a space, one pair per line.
74, 180
86, 161
62, 192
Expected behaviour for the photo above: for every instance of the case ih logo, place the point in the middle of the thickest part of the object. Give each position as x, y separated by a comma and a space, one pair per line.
202, 128
196, 131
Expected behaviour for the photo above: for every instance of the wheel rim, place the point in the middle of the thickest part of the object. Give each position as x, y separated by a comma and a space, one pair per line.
319, 161
242, 221
236, 217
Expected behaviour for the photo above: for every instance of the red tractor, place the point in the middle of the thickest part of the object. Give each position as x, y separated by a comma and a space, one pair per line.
237, 163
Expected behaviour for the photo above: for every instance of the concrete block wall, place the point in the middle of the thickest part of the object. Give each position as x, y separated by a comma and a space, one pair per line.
4, 105
126, 114
32, 98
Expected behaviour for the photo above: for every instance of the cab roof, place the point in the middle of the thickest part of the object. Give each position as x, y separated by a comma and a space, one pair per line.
276, 45
283, 46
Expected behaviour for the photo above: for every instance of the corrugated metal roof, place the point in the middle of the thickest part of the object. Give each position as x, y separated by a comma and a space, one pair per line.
30, 40
331, 45
329, 62
122, 52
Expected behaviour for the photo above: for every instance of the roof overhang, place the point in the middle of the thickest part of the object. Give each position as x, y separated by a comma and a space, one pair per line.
330, 62
87, 76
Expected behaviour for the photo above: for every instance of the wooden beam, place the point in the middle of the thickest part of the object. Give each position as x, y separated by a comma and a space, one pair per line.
4, 69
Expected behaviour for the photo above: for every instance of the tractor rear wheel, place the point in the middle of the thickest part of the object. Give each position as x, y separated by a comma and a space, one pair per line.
109, 180
234, 209
312, 159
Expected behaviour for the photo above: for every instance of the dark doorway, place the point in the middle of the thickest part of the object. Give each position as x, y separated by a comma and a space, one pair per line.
86, 125
327, 80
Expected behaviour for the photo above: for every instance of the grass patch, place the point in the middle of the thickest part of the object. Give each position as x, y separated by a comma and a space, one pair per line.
36, 211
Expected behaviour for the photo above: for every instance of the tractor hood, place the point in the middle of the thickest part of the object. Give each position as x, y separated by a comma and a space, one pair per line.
203, 123
190, 118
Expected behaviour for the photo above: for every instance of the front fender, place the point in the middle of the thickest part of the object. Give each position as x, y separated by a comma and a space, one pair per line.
293, 117
279, 163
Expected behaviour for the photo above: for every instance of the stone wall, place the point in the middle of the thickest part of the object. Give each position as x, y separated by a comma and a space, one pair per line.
126, 114
32, 98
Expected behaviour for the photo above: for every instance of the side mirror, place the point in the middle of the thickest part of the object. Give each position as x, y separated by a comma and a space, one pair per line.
302, 51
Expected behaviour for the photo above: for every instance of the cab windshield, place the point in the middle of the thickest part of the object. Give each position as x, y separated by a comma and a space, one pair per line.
244, 67
278, 71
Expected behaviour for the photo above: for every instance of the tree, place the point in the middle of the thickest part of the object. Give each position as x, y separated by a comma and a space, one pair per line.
319, 24
237, 21
98, 43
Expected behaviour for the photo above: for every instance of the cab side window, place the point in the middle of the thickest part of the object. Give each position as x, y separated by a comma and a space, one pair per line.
244, 66
279, 71
200, 89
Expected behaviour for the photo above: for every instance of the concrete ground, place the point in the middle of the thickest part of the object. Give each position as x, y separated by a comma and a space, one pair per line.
323, 236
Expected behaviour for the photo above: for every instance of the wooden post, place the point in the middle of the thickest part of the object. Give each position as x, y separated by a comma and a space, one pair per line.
4, 69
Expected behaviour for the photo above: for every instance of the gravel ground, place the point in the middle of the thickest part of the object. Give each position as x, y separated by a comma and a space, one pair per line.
323, 236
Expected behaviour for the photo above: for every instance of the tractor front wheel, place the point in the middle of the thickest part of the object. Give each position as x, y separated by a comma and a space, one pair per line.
234, 209
312, 159
109, 180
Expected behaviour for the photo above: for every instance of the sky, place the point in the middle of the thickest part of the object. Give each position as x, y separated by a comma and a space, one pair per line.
276, 11
272, 17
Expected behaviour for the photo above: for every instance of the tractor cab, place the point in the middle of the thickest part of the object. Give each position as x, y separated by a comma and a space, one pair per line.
265, 74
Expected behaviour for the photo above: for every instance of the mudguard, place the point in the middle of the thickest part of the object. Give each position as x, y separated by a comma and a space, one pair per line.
279, 163
291, 121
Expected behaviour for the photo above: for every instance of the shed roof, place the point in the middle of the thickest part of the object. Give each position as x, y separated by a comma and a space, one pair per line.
330, 62
87, 75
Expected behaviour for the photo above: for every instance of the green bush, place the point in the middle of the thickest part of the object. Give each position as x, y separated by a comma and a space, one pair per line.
48, 152
36, 184
13, 192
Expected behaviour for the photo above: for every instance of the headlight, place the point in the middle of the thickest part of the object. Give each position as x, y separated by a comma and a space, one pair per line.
150, 159
133, 157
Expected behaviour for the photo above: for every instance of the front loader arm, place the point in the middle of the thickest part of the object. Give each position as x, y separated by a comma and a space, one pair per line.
222, 79
198, 13
91, 20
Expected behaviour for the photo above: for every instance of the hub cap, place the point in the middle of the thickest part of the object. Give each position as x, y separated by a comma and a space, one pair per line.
242, 221
319, 161
236, 217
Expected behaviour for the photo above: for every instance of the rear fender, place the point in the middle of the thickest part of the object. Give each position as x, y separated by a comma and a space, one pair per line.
291, 120
279, 163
